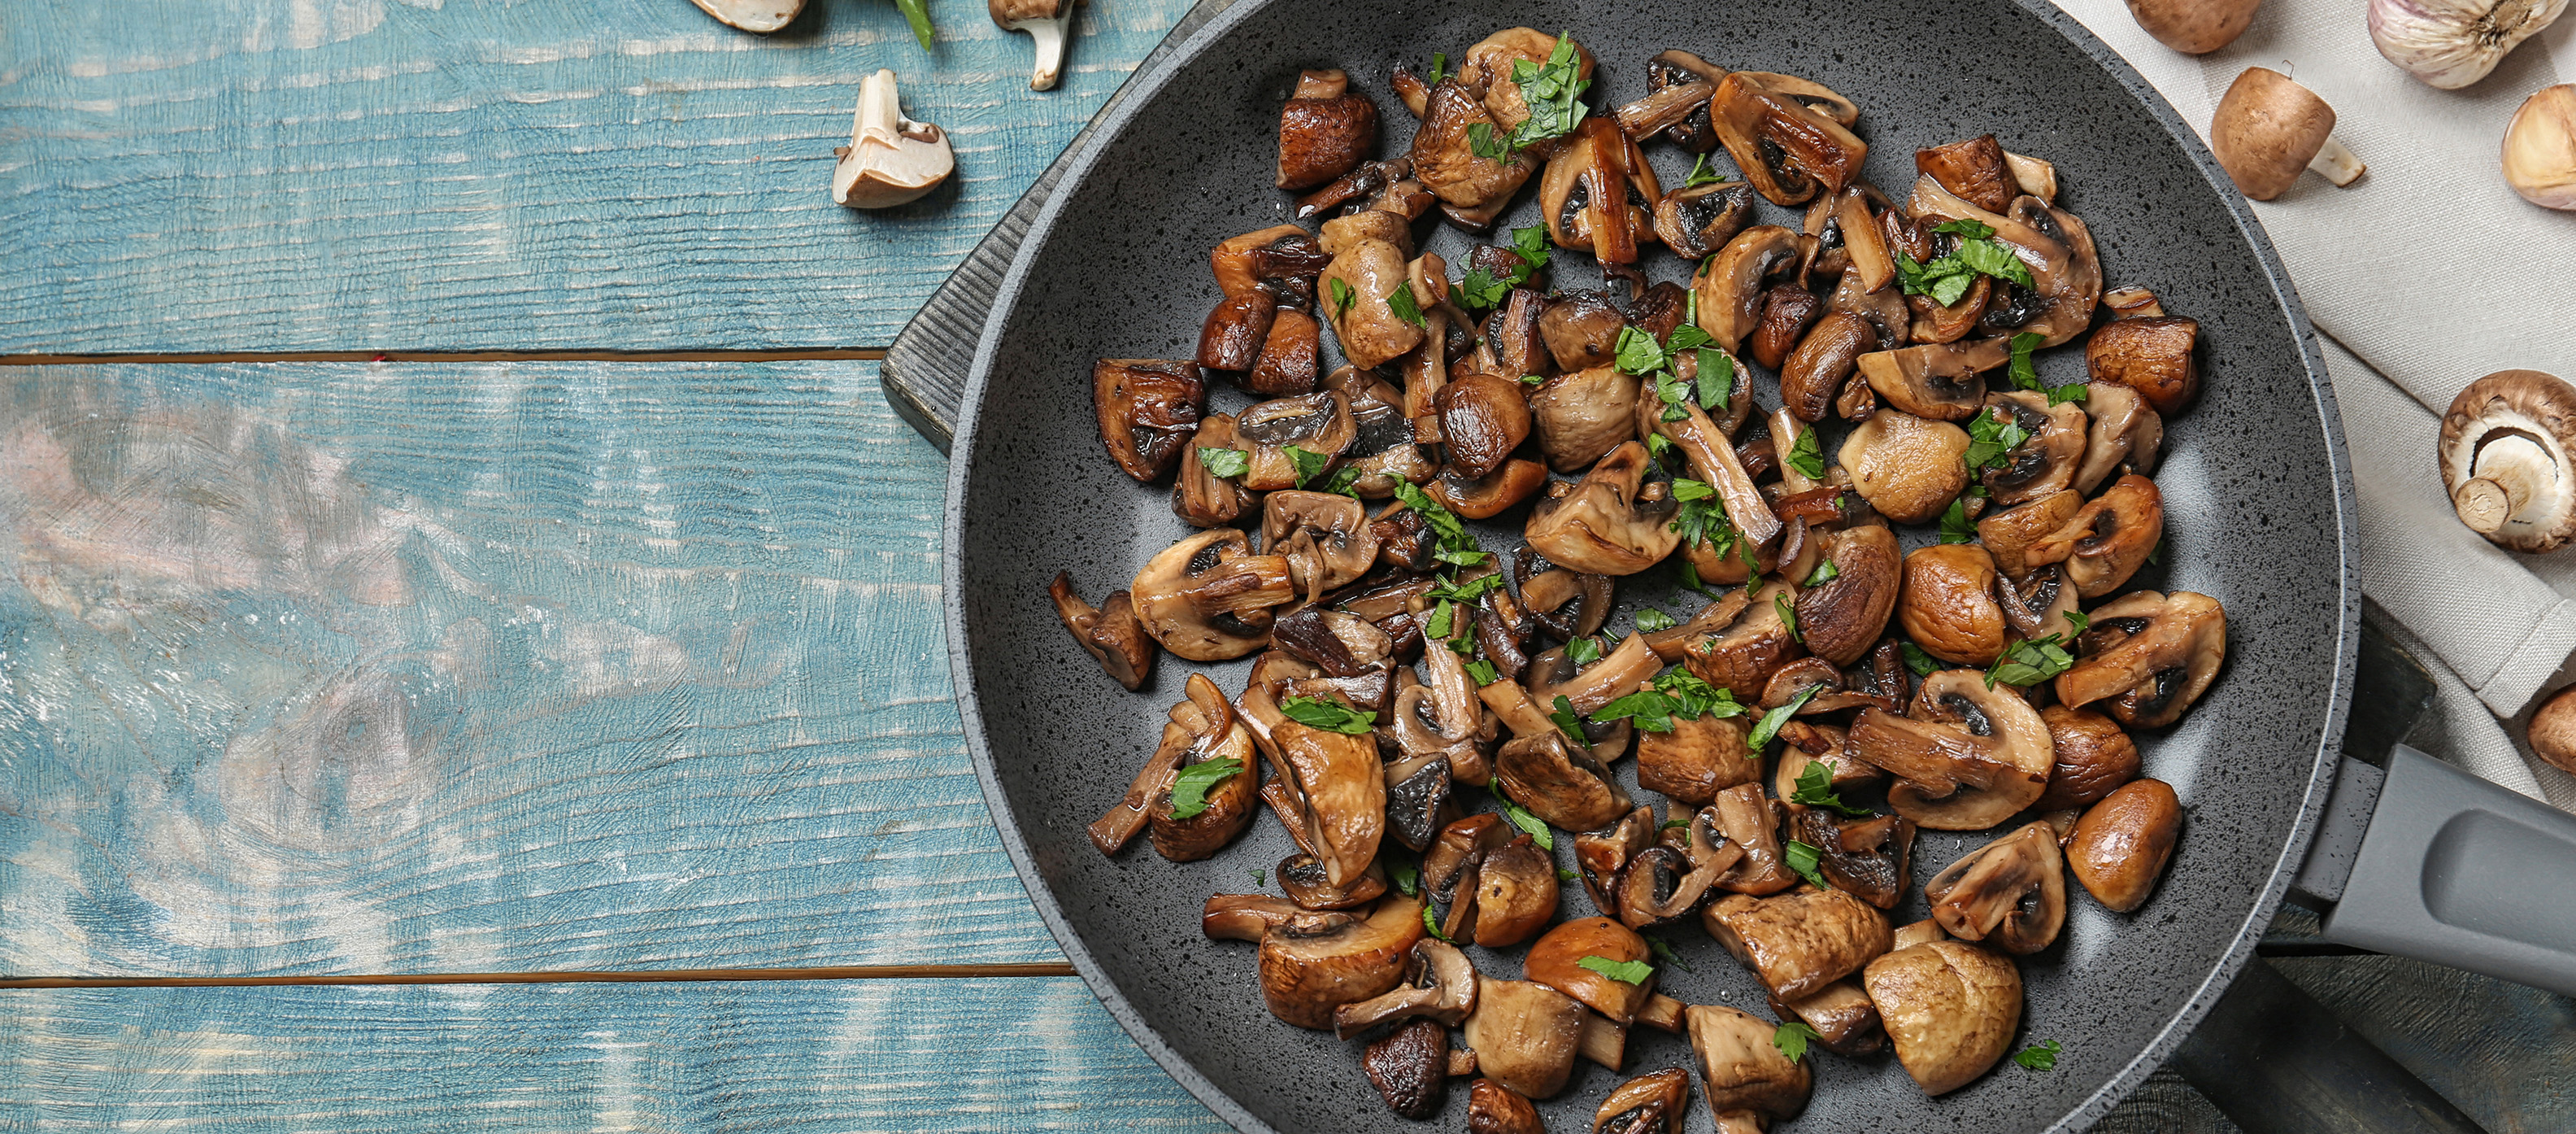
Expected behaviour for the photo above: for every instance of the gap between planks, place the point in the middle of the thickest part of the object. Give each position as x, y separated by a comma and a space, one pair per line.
649, 976
865, 354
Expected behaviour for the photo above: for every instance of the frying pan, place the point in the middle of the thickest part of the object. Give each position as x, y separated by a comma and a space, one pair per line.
2255, 481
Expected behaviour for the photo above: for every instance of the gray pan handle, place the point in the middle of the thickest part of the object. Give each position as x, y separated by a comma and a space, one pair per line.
2450, 869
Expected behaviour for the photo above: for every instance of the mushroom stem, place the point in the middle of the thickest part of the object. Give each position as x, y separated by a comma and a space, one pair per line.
2337, 163
2512, 471
1048, 35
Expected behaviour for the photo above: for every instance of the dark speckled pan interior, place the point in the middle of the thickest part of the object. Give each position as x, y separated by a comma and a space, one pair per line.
1117, 267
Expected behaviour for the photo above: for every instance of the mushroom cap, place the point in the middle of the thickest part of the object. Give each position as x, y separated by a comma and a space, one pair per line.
2507, 435
1440, 985
2008, 533
1516, 893
1742, 657
2093, 757
1843, 617
1950, 1007
1318, 962
1907, 467
1410, 1066
1525, 1035
1743, 1069
1581, 415
1697, 759
1343, 784
1555, 960
1493, 1108
2120, 846
1846, 1022
2194, 27
2266, 131
2108, 539
1949, 606
1007, 13
2553, 729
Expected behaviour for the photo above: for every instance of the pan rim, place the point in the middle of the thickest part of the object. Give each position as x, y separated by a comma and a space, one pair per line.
1141, 90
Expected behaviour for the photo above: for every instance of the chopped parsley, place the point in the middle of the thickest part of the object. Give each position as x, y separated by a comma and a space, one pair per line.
1804, 456
1700, 174
1564, 875
2041, 1056
1309, 465
1991, 434
1583, 651
1700, 519
1676, 694
2026, 375
1225, 462
1531, 825
1431, 925
1947, 278
2030, 661
1769, 725
1802, 858
1816, 789
1190, 788
1955, 525
1567, 722
1457, 548
1405, 874
1468, 591
1918, 661
1405, 306
1792, 1039
1650, 620
1716, 375
1328, 715
1788, 614
1553, 92
1341, 295
1480, 291
1664, 953
1532, 244
1638, 352
1824, 573
1260, 877
1483, 672
1625, 972
1345, 482
1439, 66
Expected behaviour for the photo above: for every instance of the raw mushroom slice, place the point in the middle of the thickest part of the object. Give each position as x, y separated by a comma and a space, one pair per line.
1111, 633
1440, 986
1525, 1035
1148, 410
1801, 941
1315, 963
1950, 1008
2504, 453
1751, 1082
761, 16
1208, 598
1653, 1103
1325, 130
1614, 523
2149, 656
891, 160
2010, 893
1045, 21
1982, 756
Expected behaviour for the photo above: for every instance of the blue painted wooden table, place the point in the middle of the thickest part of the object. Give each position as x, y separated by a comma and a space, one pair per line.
551, 735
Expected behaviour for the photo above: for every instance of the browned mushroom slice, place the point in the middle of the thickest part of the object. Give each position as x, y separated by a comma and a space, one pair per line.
1125, 819
2010, 893
1841, 618
1556, 960
1615, 675
1845, 1022
1598, 194
1490, 65
1983, 756
1449, 866
1949, 1007
1343, 786
1665, 884
1715, 462
1482, 418
1302, 876
1581, 416
1698, 220
1935, 323
1908, 468
1700, 757
1371, 250
1748, 651
1202, 498
1867, 857
1935, 380
1319, 424
2009, 533
1496, 1109
1731, 287
1782, 320
2152, 356
1516, 894
1315, 963
2052, 243
1786, 149
1291, 355
1245, 917
1581, 330
2119, 848
2039, 604
1822, 362
1751, 820
1669, 69
2124, 436
1949, 606
1515, 481
1559, 783
1512, 332
1110, 634
1148, 409
1208, 598
1226, 805
1751, 1082
2108, 539
1410, 1067
2045, 462
2149, 655
1235, 333
1613, 523
1653, 1103
1719, 614
2093, 758
1325, 537
1973, 169
1525, 1035
1800, 941
1324, 130
1548, 594
1340, 643
1440, 986
1601, 856
1806, 742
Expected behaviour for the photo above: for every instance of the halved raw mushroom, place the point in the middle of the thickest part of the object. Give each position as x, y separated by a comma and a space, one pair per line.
1613, 523
1949, 606
1867, 857
1935, 380
2120, 846
1319, 424
1493, 1108
1045, 22
1745, 654
1559, 783
2504, 460
1731, 287
1440, 985
2093, 757
2152, 356
1315, 963
1325, 537
1111, 633
1950, 1007
2010, 893
1983, 754
761, 16
1653, 1103
1841, 618
1700, 757
2007, 534
891, 160
1751, 1082
1801, 941
1525, 1035
1788, 150
2123, 437
1325, 130
2108, 539
1582, 416
2149, 655
1696, 221
1845, 1022
1148, 410
1908, 468
2046, 460
1555, 960
1410, 1067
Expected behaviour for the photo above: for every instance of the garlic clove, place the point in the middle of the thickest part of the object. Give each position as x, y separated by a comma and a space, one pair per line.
2540, 148
2453, 43
891, 160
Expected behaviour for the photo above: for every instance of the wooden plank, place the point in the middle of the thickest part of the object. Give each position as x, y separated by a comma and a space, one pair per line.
263, 175
826, 1057
335, 668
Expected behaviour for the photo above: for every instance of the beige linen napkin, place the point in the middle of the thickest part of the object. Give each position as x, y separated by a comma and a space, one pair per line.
2424, 276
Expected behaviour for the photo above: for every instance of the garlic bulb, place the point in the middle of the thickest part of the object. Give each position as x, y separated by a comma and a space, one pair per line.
2453, 43
2540, 148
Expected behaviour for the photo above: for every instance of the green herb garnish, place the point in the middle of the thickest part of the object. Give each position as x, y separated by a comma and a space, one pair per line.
2041, 1056
1483, 672
1309, 465
1816, 789
1664, 953
1802, 858
1341, 295
1792, 1039
1404, 874
1824, 573
1328, 715
1567, 722
1805, 457
1439, 66
1225, 462
1190, 788
1955, 525
1430, 924
1915, 659
1405, 306
2030, 661
1625, 972
1788, 614
1531, 825
1650, 620
1769, 725
1583, 651
1700, 174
